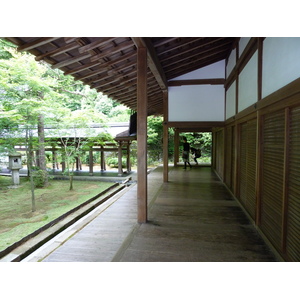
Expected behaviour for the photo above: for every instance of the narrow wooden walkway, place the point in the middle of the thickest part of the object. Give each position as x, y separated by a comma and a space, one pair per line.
192, 218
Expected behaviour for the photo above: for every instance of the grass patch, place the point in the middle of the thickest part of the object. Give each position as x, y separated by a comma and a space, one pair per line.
16, 217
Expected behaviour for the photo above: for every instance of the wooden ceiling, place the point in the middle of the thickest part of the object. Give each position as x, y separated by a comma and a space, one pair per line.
108, 64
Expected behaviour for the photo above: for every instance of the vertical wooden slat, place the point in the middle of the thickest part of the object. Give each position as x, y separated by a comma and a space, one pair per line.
285, 178
293, 208
218, 160
252, 157
259, 163
142, 102
233, 160
242, 177
272, 177
237, 160
228, 157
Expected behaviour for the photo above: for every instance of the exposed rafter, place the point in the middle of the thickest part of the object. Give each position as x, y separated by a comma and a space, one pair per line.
109, 63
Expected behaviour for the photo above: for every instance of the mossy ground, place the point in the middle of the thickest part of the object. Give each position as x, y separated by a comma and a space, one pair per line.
16, 217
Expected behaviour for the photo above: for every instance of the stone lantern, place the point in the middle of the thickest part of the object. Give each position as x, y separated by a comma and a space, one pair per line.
15, 164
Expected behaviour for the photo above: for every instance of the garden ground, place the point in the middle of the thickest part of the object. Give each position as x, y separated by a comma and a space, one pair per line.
16, 217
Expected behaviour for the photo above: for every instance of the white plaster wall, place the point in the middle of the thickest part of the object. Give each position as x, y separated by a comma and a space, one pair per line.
216, 70
281, 63
242, 44
230, 101
196, 103
248, 84
231, 62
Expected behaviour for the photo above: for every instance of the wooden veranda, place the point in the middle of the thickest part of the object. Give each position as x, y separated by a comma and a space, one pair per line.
134, 71
255, 122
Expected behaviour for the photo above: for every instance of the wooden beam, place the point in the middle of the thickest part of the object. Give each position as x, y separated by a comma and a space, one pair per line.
70, 61
193, 44
199, 129
192, 59
191, 65
70, 39
102, 64
95, 44
57, 51
112, 50
36, 43
109, 70
192, 125
211, 81
142, 188
164, 41
153, 61
114, 79
195, 48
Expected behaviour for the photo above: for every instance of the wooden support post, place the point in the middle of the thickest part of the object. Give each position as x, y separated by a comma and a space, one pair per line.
128, 164
142, 188
120, 170
77, 163
91, 162
176, 147
165, 138
102, 160
53, 160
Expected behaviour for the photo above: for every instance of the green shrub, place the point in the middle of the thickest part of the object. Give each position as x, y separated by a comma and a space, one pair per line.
40, 178
113, 162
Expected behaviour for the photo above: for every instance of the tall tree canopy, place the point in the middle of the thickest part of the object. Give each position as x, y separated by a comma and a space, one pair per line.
29, 90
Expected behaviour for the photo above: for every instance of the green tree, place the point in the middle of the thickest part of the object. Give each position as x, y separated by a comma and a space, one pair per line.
155, 139
25, 88
202, 141
76, 136
4, 53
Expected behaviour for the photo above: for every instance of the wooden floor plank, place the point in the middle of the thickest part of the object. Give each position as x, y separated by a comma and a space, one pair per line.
192, 218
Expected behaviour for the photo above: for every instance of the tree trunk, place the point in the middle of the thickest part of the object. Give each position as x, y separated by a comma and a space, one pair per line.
29, 165
71, 182
41, 135
41, 151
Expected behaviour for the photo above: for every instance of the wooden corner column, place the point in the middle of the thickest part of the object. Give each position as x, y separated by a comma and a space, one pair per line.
165, 138
176, 147
142, 111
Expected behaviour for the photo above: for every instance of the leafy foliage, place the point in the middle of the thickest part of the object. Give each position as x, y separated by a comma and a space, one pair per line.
5, 54
40, 178
29, 89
